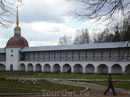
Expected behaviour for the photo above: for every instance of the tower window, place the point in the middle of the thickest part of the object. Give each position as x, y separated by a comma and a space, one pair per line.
11, 55
11, 67
11, 51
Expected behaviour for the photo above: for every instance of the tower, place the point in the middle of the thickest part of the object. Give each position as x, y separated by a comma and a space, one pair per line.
13, 46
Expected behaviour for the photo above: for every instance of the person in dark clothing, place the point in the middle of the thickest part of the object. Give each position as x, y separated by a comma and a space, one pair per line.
110, 85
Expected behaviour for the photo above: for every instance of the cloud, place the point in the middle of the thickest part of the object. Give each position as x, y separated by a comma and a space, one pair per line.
3, 42
43, 33
39, 33
41, 43
94, 24
54, 11
43, 22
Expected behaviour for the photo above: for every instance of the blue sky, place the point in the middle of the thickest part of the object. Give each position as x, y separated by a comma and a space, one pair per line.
43, 22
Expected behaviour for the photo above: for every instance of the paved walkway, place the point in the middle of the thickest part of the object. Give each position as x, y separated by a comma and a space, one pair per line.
83, 84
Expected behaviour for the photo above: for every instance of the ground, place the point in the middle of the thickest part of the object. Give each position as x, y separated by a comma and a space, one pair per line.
93, 91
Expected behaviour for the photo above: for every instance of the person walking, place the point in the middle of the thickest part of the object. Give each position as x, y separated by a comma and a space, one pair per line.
110, 85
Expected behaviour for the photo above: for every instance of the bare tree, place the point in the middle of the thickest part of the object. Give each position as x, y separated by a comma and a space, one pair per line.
64, 40
6, 12
112, 10
126, 31
81, 37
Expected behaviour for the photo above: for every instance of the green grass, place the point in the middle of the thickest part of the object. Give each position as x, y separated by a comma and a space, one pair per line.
124, 85
62, 76
14, 87
74, 76
50, 86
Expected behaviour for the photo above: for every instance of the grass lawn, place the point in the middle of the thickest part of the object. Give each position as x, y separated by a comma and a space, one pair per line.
14, 87
37, 88
62, 76
124, 85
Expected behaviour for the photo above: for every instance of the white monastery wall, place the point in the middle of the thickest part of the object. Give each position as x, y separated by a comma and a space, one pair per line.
102, 61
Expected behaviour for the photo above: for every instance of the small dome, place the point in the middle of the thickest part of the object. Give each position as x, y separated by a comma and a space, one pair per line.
17, 27
17, 41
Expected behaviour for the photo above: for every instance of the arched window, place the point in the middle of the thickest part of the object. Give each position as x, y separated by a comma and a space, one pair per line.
11, 67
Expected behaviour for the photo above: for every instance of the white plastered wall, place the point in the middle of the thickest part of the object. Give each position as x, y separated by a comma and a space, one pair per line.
12, 58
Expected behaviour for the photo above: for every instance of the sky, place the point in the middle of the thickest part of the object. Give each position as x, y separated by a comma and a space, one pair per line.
43, 22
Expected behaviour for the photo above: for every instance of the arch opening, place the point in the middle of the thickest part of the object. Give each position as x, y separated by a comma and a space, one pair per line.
22, 67
102, 69
30, 67
2, 67
38, 68
66, 68
78, 68
89, 69
56, 68
127, 69
46, 68
116, 69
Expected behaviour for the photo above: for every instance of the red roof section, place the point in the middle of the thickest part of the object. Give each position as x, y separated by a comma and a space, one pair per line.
17, 41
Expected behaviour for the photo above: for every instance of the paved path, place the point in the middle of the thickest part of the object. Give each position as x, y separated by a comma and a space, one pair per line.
83, 84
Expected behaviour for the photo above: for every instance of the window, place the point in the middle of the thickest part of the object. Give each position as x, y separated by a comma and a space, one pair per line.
11, 67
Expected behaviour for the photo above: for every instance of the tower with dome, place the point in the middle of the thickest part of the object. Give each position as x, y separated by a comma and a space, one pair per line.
13, 46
